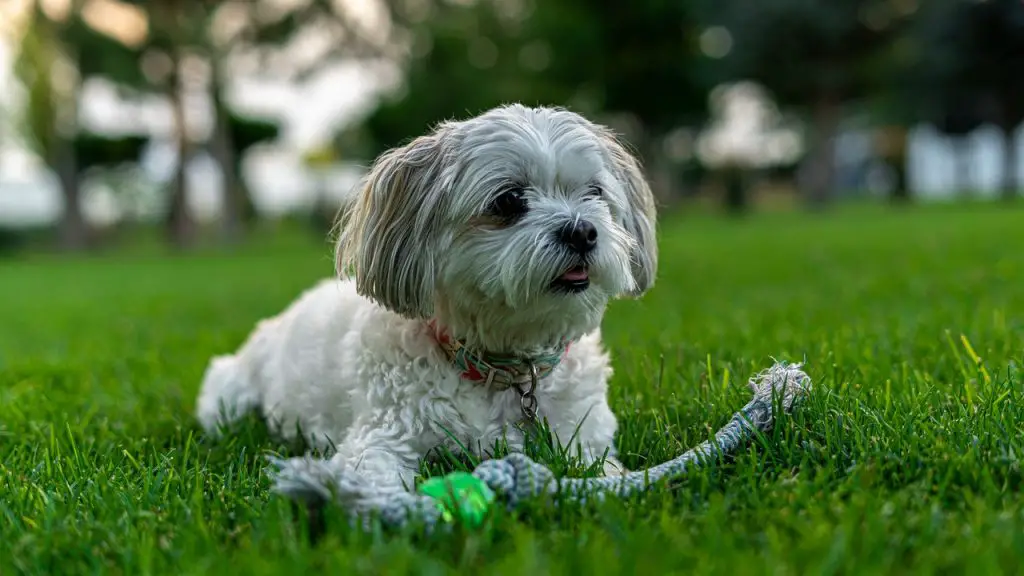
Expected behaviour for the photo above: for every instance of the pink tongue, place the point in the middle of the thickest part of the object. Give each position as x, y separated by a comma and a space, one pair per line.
575, 274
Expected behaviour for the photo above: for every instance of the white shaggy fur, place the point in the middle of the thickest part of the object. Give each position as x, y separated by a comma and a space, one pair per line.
352, 362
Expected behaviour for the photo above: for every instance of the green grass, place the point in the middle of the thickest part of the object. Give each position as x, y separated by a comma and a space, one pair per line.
905, 458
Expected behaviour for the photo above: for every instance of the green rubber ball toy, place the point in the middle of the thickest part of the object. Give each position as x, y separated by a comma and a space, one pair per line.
460, 495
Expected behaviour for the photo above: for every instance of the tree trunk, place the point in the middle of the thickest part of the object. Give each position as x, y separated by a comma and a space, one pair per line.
1011, 188
323, 214
233, 217
736, 197
820, 164
181, 227
964, 173
73, 230
891, 147
900, 191
645, 144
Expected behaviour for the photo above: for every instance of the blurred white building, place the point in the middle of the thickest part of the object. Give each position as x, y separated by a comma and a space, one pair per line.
747, 130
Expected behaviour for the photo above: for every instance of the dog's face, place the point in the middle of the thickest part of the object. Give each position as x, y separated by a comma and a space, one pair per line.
524, 221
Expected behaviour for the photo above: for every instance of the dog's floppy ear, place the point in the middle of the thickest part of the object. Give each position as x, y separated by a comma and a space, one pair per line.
388, 234
640, 217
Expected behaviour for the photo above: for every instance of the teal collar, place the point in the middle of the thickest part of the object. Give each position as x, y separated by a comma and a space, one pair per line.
503, 370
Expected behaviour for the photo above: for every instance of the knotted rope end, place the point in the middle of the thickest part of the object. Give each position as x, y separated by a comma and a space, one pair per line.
787, 382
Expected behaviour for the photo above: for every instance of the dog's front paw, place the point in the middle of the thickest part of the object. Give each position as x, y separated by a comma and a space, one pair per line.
314, 479
304, 478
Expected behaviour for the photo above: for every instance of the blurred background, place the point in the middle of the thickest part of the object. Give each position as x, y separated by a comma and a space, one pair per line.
200, 122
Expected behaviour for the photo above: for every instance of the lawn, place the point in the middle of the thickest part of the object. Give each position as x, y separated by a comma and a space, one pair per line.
904, 458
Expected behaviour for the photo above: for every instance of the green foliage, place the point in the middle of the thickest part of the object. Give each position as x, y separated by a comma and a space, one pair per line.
803, 49
45, 45
905, 459
981, 71
97, 150
650, 62
954, 64
247, 132
470, 64
935, 87
99, 55
634, 58
37, 56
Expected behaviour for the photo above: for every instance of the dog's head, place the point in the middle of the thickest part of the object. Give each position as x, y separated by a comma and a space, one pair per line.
521, 223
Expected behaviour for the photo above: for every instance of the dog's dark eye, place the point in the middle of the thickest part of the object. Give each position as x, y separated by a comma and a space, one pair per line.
509, 203
595, 191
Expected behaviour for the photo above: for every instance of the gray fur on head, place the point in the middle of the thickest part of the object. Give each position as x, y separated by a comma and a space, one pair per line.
386, 233
641, 219
424, 237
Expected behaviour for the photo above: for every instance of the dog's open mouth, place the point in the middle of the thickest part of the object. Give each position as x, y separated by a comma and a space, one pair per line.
576, 279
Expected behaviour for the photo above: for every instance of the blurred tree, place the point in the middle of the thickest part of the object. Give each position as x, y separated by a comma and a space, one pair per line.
890, 143
968, 71
45, 64
242, 134
651, 67
745, 137
630, 61
160, 68
262, 31
812, 55
180, 35
44, 126
319, 161
934, 88
177, 38
993, 62
960, 113
102, 151
177, 31
464, 60
61, 51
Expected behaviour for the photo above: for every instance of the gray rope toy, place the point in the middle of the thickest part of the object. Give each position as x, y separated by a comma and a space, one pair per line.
516, 477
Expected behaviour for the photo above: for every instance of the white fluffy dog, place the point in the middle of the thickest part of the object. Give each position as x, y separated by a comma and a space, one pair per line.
475, 266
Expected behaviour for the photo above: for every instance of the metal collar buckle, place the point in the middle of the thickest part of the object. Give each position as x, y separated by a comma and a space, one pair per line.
527, 399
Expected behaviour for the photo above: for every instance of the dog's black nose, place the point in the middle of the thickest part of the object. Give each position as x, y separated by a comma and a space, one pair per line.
579, 235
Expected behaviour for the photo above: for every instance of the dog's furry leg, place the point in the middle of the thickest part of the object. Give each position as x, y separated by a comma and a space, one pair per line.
226, 395
372, 464
591, 437
230, 388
